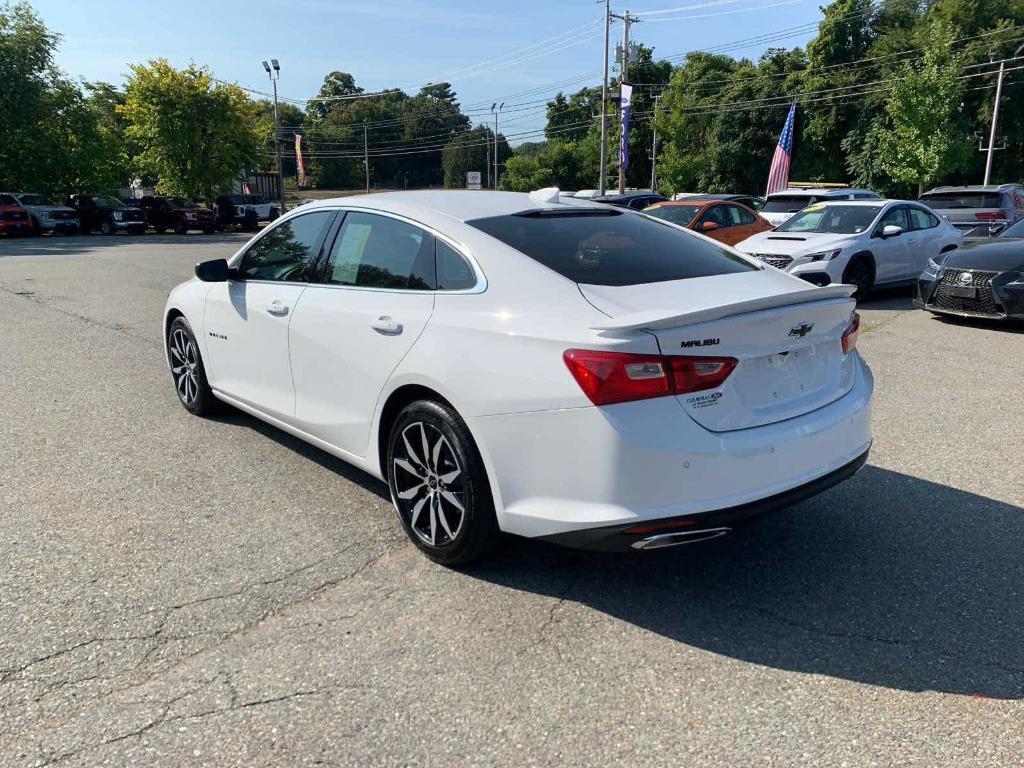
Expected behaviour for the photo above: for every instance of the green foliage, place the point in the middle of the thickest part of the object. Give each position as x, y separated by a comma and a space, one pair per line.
193, 133
469, 152
926, 136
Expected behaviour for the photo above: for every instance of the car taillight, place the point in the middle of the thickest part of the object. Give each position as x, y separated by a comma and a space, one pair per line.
621, 377
692, 374
989, 216
851, 333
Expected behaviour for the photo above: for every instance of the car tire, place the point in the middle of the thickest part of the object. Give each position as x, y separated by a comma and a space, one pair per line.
108, 228
37, 230
439, 486
180, 228
187, 370
209, 230
159, 230
273, 214
860, 272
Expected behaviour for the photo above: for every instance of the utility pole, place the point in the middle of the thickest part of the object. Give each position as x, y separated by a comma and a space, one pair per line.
496, 109
274, 73
624, 78
995, 115
604, 102
654, 147
366, 158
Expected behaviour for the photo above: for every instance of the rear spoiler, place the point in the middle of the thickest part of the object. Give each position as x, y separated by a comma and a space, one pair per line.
654, 320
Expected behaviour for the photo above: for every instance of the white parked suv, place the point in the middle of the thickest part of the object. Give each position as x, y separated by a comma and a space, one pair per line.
265, 210
859, 242
779, 206
557, 369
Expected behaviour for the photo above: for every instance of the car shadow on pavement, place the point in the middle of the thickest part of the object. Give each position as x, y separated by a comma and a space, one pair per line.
71, 245
327, 461
885, 580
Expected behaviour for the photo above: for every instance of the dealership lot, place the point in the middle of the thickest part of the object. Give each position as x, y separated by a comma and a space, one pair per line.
215, 591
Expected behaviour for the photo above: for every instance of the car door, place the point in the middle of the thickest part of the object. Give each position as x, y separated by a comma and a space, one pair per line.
926, 241
353, 327
891, 256
246, 320
744, 224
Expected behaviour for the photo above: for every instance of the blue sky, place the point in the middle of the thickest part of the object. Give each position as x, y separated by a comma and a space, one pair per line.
489, 50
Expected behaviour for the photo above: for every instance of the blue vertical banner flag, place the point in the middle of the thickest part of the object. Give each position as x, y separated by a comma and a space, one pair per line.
626, 93
778, 175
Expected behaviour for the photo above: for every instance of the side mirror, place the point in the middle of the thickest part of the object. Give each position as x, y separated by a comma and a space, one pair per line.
707, 226
213, 271
891, 230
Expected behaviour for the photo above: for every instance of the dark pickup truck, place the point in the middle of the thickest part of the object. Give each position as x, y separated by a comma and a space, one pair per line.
107, 214
177, 214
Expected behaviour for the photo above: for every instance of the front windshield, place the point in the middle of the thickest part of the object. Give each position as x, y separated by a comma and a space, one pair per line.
677, 214
35, 200
833, 219
181, 202
1014, 230
109, 202
787, 203
254, 200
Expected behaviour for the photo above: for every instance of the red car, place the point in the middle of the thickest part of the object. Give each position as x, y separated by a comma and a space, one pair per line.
177, 214
725, 221
14, 220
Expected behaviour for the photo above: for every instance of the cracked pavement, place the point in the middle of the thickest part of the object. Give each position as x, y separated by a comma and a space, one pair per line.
187, 592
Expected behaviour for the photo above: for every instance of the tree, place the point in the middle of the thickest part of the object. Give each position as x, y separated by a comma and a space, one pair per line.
469, 152
194, 134
335, 84
927, 136
27, 72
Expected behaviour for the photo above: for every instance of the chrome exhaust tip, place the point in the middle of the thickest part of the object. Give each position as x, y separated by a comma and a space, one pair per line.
674, 539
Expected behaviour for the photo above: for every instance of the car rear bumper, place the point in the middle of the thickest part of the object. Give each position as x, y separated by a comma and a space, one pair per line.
555, 473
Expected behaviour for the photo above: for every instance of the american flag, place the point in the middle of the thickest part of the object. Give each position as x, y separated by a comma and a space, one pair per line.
778, 176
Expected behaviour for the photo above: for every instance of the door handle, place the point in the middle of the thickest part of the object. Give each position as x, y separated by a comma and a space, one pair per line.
385, 324
278, 309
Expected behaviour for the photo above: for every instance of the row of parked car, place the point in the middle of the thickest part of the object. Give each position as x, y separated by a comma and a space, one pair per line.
962, 248
28, 213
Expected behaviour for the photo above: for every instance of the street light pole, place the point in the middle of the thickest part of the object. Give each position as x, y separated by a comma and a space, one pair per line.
366, 158
274, 73
626, 21
654, 147
603, 179
496, 109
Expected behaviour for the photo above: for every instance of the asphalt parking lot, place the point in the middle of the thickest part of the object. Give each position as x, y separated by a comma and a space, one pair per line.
176, 591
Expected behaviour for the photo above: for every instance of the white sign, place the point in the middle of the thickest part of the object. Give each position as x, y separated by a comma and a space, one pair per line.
473, 180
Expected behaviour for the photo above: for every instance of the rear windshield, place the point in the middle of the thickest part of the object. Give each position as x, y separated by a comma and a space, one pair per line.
677, 214
948, 200
788, 203
610, 247
834, 219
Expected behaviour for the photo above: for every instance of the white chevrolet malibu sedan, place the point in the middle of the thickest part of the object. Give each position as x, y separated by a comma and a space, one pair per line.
556, 369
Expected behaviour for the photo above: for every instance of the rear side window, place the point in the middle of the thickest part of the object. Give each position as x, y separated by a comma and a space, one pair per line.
921, 219
374, 251
788, 203
946, 200
285, 252
453, 272
610, 247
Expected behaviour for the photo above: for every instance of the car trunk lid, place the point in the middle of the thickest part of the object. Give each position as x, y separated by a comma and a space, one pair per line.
786, 339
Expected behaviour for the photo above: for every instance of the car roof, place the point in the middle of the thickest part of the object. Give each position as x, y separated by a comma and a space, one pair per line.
976, 188
453, 204
820, 192
629, 195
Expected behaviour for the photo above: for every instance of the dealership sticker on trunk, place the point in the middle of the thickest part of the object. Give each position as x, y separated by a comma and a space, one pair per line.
703, 401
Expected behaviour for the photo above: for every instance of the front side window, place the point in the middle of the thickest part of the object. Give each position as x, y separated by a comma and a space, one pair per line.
109, 202
834, 218
374, 251
286, 251
609, 247
739, 216
716, 214
895, 217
